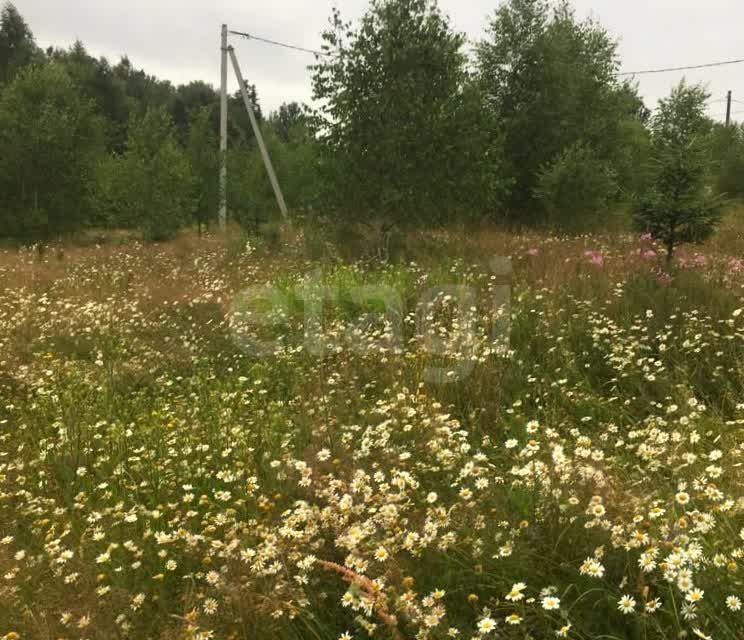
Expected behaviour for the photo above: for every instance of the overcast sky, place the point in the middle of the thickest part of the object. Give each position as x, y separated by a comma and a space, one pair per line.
179, 39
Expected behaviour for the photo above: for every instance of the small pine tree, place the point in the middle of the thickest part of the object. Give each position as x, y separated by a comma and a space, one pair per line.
679, 206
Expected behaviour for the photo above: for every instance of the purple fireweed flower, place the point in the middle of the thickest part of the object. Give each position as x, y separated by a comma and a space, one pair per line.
595, 258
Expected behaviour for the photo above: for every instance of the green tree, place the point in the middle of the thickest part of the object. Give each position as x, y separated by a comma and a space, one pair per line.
550, 80
50, 142
96, 79
727, 147
295, 162
680, 206
239, 126
143, 91
203, 154
289, 116
150, 186
398, 126
298, 166
191, 98
17, 46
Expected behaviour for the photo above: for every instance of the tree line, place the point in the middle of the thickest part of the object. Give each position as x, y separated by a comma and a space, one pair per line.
84, 143
534, 126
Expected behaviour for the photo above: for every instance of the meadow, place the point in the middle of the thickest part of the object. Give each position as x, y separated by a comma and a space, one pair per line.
494, 436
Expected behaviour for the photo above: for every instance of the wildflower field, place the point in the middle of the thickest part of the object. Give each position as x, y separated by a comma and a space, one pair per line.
498, 436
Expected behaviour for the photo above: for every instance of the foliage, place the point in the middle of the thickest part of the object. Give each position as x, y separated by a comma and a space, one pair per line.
192, 98
578, 183
727, 148
296, 161
17, 46
397, 127
143, 91
407, 131
204, 159
240, 130
150, 184
551, 82
96, 79
679, 206
289, 116
50, 141
251, 197
631, 158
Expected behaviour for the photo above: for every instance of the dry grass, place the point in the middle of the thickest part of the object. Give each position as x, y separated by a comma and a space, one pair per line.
160, 480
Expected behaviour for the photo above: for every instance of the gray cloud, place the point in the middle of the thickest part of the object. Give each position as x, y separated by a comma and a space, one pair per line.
179, 40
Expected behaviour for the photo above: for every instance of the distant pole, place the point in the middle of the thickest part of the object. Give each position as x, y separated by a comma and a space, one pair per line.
728, 109
223, 133
259, 137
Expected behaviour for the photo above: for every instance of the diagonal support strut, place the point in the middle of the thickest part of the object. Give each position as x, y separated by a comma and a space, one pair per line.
259, 137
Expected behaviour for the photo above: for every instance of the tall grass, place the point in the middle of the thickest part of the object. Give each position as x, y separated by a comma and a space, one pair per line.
568, 466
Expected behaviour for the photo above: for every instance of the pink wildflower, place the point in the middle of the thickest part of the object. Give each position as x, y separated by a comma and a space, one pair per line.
663, 278
595, 258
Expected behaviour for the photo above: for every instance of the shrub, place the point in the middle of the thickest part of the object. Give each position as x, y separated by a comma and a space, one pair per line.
575, 185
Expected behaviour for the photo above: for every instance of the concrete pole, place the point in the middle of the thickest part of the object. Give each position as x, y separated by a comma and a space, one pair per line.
259, 137
223, 133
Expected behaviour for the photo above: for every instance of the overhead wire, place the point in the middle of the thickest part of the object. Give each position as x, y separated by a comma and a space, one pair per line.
316, 52
707, 65
276, 43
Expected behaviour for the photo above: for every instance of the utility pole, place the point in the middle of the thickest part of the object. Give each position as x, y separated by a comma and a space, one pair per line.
223, 133
728, 109
259, 137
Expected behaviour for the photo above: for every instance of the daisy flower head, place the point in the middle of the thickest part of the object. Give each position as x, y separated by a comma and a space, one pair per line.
652, 605
513, 619
592, 567
515, 595
551, 603
486, 625
694, 595
626, 604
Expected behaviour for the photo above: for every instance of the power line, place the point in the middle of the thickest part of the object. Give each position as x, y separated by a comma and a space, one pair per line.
250, 36
671, 69
315, 52
723, 115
